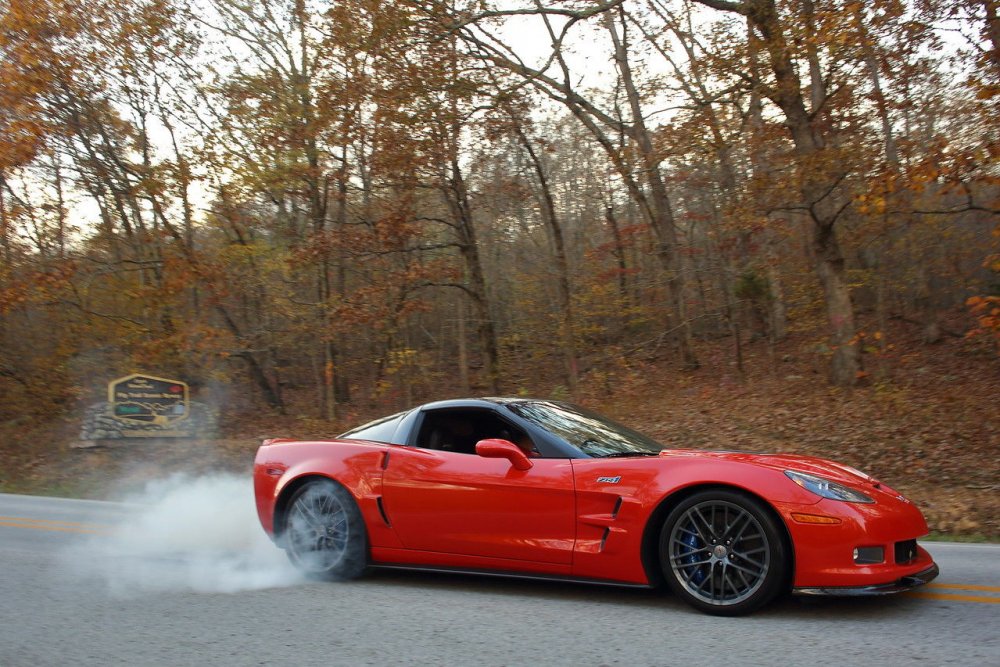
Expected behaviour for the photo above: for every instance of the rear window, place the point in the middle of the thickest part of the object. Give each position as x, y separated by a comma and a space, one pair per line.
380, 430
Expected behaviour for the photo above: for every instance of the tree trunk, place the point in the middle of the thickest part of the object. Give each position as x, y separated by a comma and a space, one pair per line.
619, 253
458, 201
463, 349
818, 191
763, 170
818, 184
567, 326
845, 364
992, 9
868, 54
663, 216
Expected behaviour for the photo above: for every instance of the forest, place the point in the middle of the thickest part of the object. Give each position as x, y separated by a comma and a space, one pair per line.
329, 209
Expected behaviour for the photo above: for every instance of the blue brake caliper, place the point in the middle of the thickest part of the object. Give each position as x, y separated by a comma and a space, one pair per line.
691, 540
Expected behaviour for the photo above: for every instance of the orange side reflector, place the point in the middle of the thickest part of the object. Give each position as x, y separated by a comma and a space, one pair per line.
814, 518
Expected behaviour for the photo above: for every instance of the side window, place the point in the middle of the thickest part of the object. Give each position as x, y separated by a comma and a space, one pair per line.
377, 431
459, 431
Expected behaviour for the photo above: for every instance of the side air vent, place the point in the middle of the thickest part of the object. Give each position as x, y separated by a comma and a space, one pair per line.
604, 539
618, 506
385, 460
381, 510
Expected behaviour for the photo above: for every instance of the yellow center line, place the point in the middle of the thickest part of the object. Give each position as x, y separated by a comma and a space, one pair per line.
22, 519
56, 526
966, 587
60, 529
951, 596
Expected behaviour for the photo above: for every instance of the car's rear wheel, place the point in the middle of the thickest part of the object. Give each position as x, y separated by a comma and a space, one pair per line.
723, 552
324, 532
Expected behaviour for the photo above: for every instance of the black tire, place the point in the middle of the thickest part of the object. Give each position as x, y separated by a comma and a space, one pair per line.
324, 533
723, 552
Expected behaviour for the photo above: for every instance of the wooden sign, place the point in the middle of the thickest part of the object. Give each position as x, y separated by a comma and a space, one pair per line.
148, 401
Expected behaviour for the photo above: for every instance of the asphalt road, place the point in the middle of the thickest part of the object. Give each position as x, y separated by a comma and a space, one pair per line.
88, 583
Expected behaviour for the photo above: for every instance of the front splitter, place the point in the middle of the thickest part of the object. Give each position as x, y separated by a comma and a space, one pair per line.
902, 585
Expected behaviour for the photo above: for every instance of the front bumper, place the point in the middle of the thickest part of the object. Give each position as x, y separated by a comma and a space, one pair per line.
906, 583
824, 553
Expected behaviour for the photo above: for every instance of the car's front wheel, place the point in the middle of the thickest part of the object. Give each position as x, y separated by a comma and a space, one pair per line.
723, 552
324, 532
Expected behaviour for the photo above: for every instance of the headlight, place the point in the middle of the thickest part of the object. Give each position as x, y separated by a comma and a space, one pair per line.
826, 488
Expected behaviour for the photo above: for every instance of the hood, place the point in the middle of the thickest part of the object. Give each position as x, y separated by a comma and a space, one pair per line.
837, 472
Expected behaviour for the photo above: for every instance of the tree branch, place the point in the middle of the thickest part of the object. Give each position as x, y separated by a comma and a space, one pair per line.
537, 11
726, 6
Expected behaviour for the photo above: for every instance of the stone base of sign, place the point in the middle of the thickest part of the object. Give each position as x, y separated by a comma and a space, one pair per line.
99, 424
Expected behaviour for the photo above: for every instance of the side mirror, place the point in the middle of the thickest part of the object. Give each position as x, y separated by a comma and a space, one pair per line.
495, 448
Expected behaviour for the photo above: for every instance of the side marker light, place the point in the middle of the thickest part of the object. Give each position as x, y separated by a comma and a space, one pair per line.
815, 518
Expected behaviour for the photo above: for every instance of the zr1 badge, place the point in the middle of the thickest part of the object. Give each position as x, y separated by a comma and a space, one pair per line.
609, 480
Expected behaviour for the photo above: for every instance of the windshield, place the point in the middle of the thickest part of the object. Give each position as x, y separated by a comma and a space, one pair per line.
588, 431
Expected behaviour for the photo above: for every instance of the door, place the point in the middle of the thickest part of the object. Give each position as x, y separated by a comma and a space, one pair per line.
462, 503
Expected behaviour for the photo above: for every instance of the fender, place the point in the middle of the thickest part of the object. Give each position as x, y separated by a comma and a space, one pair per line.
354, 464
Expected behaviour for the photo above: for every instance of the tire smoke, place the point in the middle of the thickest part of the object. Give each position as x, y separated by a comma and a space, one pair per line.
188, 534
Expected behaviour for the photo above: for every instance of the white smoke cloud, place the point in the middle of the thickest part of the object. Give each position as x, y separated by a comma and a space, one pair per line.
187, 534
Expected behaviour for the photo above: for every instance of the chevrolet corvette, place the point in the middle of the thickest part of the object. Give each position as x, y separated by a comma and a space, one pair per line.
544, 489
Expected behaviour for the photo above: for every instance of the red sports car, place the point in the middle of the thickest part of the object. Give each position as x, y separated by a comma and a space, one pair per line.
543, 489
